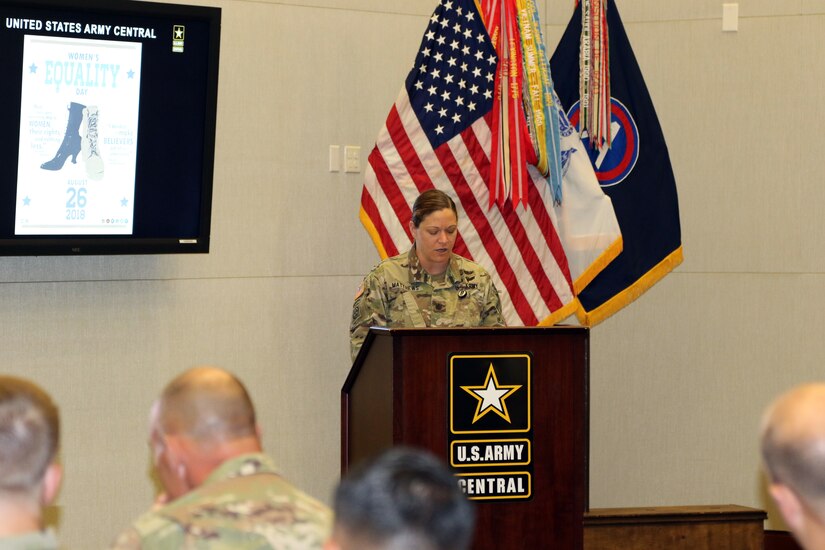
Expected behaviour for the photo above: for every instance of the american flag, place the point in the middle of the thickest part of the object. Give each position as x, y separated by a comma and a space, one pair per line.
438, 135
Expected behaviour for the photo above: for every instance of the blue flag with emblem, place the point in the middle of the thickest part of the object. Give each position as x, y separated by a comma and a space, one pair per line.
635, 172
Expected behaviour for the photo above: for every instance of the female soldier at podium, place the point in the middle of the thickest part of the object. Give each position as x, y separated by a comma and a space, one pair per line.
428, 286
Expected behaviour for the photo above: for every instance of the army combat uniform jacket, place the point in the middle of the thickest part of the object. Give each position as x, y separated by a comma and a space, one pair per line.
38, 540
400, 293
244, 504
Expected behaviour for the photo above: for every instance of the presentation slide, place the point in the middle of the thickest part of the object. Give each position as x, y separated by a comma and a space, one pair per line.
78, 136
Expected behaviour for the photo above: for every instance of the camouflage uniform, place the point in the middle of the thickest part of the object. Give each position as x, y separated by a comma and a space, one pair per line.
243, 504
38, 540
400, 293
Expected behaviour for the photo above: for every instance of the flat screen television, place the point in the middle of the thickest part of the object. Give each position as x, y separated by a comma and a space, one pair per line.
108, 133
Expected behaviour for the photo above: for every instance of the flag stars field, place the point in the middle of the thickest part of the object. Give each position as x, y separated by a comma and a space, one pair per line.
450, 70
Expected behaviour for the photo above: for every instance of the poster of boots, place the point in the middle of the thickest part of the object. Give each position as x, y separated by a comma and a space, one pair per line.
78, 136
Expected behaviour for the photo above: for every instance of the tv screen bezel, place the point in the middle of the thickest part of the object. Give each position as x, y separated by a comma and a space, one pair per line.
74, 245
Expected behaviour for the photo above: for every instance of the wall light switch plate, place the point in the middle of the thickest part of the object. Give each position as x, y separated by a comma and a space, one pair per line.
730, 17
352, 159
334, 158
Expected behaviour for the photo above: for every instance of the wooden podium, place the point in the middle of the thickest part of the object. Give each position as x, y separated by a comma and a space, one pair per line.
507, 407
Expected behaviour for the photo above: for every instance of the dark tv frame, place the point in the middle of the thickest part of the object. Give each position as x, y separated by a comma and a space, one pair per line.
74, 245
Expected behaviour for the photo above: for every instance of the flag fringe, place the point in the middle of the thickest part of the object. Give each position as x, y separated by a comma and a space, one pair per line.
598, 265
560, 314
373, 232
631, 293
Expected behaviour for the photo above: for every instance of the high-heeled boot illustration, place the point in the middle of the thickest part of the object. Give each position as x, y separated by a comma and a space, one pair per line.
71, 140
88, 144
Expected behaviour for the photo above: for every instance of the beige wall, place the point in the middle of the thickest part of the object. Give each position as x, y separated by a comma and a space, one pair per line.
678, 379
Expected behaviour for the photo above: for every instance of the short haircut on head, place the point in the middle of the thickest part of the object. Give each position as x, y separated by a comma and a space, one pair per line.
431, 200
207, 404
793, 442
406, 499
29, 434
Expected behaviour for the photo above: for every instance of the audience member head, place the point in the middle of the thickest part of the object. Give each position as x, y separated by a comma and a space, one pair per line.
404, 500
29, 439
793, 450
203, 418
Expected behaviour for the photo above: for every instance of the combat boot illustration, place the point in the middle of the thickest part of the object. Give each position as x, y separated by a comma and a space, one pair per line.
71, 140
90, 152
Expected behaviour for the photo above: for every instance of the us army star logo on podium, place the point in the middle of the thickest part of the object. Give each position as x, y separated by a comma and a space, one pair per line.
491, 396
489, 393
490, 431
